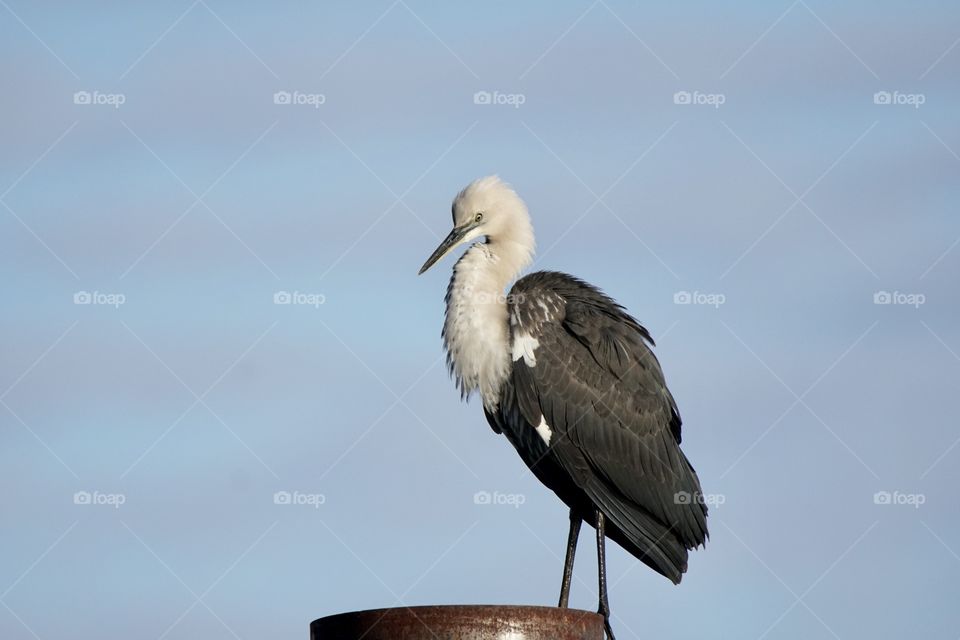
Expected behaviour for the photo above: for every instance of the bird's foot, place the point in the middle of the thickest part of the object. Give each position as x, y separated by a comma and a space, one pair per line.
605, 612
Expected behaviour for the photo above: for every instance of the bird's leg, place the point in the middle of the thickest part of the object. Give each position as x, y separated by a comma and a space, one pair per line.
568, 563
604, 608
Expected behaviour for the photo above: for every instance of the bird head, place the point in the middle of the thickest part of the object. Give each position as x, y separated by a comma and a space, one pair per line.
487, 207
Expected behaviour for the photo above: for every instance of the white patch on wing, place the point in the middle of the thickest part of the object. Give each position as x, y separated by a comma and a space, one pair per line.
544, 430
524, 346
547, 311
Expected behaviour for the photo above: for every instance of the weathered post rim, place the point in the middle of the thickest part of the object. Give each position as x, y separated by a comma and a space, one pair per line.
461, 622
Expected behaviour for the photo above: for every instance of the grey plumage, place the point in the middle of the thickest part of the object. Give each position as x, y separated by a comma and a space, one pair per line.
616, 442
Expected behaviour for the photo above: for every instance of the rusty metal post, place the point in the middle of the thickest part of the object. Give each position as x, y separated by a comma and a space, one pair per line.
461, 622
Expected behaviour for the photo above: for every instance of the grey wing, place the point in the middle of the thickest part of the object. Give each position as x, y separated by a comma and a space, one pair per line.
615, 427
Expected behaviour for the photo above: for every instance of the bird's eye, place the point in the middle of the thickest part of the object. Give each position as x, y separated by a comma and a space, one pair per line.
478, 217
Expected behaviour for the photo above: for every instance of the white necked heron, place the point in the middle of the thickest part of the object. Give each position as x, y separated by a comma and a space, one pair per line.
569, 378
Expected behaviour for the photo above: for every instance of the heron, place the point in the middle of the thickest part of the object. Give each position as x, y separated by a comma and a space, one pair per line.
569, 377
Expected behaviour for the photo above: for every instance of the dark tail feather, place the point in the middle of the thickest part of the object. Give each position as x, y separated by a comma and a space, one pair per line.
643, 536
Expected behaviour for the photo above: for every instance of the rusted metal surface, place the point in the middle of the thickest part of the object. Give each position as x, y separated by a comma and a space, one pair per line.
461, 622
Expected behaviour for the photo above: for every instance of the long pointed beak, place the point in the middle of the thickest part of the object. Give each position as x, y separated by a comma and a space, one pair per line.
452, 240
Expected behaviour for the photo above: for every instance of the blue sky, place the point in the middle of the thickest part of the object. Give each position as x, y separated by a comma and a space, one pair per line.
144, 236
